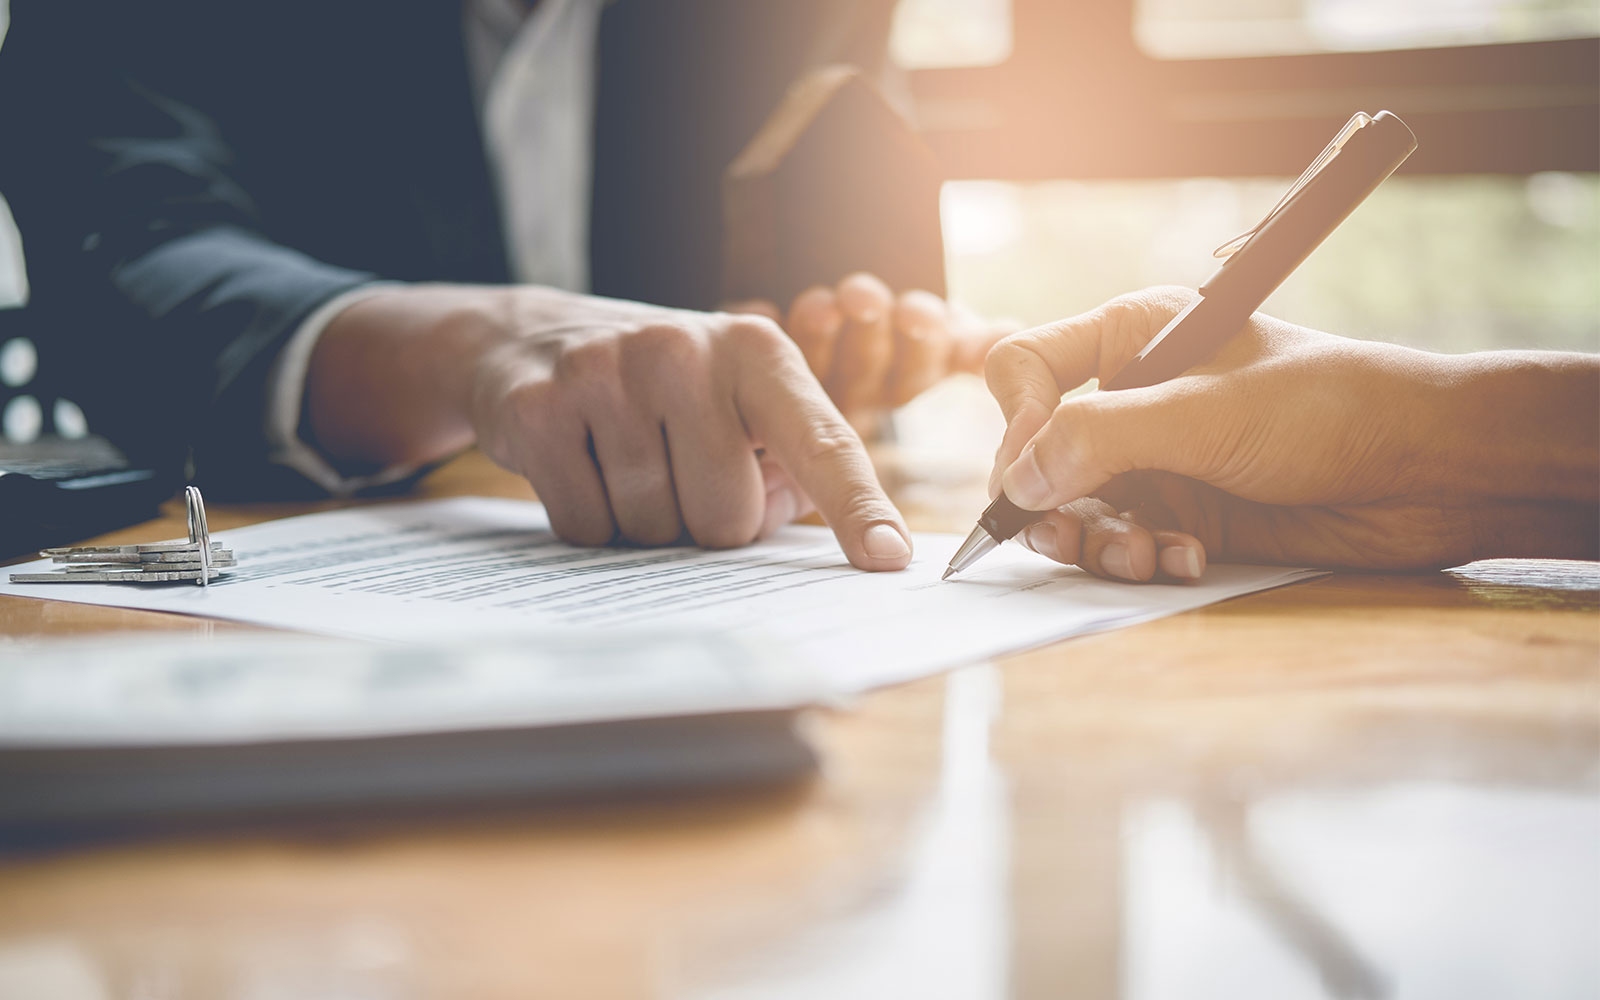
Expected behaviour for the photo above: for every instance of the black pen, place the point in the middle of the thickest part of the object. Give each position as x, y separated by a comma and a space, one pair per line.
1365, 152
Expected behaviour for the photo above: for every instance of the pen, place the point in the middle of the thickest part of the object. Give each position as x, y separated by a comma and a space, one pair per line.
1364, 152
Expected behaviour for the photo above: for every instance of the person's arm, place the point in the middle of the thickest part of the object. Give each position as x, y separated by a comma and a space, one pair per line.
144, 253
289, 441
1294, 446
633, 423
1523, 432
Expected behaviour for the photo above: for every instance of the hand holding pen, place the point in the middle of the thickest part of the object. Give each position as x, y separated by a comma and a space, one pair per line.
1359, 158
1293, 446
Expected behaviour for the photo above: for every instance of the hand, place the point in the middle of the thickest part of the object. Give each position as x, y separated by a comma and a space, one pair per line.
633, 423
1292, 446
874, 350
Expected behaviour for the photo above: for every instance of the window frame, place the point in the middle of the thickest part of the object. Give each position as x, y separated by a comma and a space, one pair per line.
1079, 98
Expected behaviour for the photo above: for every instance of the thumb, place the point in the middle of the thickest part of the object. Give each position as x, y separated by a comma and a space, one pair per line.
1090, 439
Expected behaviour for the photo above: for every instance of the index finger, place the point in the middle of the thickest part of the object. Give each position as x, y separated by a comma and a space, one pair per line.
786, 409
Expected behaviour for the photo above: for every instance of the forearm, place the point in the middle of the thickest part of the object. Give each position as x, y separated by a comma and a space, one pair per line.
1523, 433
1522, 425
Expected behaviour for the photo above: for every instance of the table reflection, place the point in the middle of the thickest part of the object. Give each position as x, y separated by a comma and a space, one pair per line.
1360, 787
1190, 831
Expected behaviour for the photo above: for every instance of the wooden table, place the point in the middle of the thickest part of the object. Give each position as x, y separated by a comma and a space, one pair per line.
1365, 785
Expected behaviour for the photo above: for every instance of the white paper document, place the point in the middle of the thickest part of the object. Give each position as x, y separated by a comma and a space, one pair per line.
425, 570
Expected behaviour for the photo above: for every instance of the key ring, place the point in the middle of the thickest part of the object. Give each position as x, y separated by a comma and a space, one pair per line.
199, 531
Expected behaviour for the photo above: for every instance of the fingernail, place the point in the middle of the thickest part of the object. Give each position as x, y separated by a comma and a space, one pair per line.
1180, 561
1024, 483
1042, 539
1115, 559
882, 541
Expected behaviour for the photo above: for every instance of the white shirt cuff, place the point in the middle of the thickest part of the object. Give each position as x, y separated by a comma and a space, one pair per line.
286, 385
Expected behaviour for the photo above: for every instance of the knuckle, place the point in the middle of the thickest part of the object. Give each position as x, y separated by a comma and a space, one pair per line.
863, 291
815, 303
832, 445
673, 345
1068, 442
862, 506
756, 335
534, 406
762, 342
588, 362
1005, 360
533, 395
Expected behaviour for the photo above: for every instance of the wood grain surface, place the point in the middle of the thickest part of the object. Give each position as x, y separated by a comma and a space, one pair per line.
1014, 829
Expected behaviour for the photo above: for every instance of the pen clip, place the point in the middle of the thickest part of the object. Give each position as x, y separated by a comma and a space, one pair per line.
1357, 122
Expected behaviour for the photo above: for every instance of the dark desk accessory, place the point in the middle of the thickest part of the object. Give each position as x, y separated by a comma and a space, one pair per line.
54, 491
835, 182
59, 484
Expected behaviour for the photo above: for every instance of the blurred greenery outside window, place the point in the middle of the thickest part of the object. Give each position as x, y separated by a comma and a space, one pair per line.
1444, 263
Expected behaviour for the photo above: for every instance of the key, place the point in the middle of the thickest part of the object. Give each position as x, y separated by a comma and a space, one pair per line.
160, 567
199, 559
111, 550
135, 558
88, 574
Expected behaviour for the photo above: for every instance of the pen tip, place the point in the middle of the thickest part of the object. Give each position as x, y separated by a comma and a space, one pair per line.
949, 571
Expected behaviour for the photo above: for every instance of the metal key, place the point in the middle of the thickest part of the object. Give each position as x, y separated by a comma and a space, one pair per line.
96, 575
199, 559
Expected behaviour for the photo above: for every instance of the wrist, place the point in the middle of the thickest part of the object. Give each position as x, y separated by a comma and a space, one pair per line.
460, 325
389, 381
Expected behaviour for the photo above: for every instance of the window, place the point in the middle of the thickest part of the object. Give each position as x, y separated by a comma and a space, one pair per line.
1442, 263
1199, 29
1086, 166
1080, 97
1123, 140
930, 33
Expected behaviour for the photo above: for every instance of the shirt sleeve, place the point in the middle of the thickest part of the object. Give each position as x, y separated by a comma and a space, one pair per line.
287, 444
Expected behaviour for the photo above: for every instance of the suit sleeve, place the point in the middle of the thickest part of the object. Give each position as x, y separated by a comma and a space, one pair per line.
150, 276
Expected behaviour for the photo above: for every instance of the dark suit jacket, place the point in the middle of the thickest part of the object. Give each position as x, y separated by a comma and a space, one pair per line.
192, 177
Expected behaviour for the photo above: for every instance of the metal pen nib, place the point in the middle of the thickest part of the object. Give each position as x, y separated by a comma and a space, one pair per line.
978, 544
998, 522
